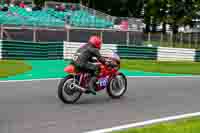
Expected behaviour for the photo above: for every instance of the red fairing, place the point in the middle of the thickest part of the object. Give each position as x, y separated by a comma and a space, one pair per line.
70, 69
106, 72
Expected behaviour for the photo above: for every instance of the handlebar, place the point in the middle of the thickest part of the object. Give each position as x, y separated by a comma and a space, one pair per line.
109, 63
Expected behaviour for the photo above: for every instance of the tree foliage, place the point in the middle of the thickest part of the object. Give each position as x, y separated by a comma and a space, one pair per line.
174, 12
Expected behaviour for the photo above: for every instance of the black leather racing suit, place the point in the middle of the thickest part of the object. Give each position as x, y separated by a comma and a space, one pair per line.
82, 59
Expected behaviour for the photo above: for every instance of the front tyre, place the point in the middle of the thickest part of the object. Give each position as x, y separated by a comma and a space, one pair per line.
117, 86
65, 93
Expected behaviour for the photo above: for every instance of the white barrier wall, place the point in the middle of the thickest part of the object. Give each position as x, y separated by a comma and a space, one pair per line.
175, 54
71, 47
0, 49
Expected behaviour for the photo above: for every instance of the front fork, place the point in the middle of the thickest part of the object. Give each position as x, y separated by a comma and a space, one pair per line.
81, 79
77, 78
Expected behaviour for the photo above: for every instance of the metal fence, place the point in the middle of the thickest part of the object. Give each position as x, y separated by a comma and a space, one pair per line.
70, 34
109, 36
180, 40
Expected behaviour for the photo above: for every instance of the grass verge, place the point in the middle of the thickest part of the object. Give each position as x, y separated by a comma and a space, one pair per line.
191, 125
162, 66
12, 68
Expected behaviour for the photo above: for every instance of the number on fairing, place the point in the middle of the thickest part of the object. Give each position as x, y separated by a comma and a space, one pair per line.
75, 57
103, 82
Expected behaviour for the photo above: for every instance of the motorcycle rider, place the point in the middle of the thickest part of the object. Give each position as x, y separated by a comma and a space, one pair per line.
82, 60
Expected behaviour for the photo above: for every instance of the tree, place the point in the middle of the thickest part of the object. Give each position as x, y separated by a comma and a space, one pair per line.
152, 14
39, 2
122, 8
135, 8
181, 13
174, 12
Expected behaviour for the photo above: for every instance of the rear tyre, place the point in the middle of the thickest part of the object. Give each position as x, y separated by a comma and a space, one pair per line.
65, 93
117, 86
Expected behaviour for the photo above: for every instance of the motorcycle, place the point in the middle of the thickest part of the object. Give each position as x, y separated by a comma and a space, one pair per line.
75, 83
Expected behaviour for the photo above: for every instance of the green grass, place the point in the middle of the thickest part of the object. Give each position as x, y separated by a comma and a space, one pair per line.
191, 125
12, 68
162, 66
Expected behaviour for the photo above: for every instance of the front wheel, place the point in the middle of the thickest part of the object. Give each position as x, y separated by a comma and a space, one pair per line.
65, 92
117, 86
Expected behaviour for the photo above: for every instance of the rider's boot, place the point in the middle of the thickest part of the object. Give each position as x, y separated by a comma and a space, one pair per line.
92, 85
93, 81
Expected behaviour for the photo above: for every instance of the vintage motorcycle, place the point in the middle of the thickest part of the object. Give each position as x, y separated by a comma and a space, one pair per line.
75, 83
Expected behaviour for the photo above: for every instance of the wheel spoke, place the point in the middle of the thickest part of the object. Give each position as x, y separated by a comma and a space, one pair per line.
117, 86
68, 93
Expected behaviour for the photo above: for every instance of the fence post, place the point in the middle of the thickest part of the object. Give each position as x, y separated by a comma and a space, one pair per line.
1, 32
149, 37
171, 39
101, 35
68, 34
108, 18
113, 20
45, 5
190, 43
182, 39
161, 38
196, 40
34, 34
127, 38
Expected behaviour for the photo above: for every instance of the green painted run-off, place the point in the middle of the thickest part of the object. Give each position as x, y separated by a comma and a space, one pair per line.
55, 69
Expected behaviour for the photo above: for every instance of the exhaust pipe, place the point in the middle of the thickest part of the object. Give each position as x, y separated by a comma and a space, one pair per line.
75, 86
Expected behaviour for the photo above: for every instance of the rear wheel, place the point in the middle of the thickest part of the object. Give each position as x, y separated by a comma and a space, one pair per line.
117, 86
66, 93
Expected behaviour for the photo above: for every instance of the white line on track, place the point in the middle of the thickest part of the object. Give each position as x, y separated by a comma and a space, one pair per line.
29, 80
122, 127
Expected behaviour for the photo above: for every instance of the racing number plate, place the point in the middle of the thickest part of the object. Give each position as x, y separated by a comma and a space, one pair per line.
75, 57
103, 82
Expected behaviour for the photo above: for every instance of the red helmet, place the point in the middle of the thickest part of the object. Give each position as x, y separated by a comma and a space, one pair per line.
95, 41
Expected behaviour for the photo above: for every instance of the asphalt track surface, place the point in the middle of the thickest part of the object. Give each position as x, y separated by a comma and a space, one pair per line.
33, 107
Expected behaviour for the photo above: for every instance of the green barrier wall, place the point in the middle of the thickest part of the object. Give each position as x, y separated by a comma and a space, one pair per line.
31, 51
54, 50
197, 57
137, 52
